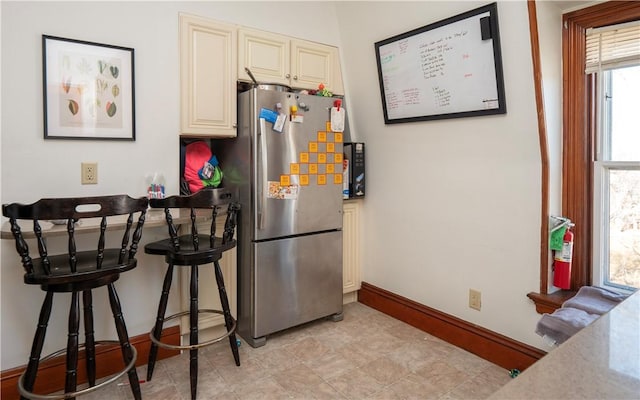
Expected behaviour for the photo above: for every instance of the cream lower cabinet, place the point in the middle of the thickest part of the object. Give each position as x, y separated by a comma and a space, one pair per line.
208, 75
208, 295
350, 250
280, 59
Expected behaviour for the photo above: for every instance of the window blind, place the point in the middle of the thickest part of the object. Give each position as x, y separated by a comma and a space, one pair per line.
613, 46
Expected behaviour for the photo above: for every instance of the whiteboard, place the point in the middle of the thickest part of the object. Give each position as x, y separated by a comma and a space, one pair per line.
448, 69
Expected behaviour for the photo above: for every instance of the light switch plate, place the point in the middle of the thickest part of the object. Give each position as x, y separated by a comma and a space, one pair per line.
475, 299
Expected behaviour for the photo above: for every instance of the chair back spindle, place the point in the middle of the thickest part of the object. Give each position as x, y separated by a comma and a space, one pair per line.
22, 247
230, 223
173, 231
212, 236
73, 260
125, 239
194, 230
137, 235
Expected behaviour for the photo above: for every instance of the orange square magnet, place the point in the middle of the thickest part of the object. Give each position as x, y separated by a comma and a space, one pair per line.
294, 168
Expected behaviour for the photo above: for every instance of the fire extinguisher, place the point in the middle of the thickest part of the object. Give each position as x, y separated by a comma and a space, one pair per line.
562, 261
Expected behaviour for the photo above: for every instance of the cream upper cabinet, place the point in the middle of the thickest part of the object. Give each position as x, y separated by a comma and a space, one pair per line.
208, 75
301, 64
313, 64
266, 54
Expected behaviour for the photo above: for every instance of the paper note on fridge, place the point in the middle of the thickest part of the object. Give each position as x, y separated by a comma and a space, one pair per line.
337, 119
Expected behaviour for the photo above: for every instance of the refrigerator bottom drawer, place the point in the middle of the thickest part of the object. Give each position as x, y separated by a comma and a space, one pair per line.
297, 280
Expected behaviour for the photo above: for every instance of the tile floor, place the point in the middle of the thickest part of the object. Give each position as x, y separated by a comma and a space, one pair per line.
368, 355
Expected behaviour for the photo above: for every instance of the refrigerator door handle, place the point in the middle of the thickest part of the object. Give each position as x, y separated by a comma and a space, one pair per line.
262, 181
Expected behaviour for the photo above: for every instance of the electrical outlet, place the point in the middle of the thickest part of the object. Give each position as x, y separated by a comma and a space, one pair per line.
89, 173
474, 299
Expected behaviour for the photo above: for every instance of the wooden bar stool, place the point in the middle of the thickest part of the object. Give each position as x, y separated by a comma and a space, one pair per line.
78, 272
194, 249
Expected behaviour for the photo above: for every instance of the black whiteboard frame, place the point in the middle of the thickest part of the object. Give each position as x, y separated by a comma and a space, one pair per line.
497, 59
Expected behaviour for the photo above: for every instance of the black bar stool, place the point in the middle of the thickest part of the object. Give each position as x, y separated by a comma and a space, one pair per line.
194, 249
78, 272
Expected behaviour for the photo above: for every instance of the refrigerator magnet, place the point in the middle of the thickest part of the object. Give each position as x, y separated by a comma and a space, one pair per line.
279, 124
282, 192
268, 115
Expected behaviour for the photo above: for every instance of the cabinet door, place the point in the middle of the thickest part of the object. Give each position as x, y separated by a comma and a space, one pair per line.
313, 64
266, 54
208, 74
350, 249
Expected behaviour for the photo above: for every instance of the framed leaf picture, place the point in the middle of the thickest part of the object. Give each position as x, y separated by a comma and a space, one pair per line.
88, 90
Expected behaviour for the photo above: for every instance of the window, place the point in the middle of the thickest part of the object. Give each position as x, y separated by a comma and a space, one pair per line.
578, 144
579, 127
616, 216
613, 56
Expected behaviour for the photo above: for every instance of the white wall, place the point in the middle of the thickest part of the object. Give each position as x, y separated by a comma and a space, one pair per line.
451, 204
33, 167
549, 36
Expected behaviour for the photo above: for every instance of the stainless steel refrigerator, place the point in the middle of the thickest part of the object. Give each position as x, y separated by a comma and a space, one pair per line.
286, 167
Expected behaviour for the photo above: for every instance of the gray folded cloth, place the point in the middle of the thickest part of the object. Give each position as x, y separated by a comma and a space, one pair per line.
563, 323
594, 300
579, 311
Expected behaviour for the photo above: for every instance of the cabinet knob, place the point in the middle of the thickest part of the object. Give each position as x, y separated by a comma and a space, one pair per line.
287, 76
295, 77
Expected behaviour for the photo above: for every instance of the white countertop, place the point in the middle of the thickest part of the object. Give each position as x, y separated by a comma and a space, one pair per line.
602, 361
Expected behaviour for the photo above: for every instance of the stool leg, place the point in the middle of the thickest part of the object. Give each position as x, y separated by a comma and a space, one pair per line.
121, 328
70, 384
228, 319
193, 332
157, 329
38, 342
89, 339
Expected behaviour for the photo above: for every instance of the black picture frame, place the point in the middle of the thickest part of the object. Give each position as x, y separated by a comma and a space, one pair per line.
88, 90
448, 69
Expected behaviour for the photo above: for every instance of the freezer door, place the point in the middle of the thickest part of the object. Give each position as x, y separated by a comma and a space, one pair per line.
298, 171
296, 280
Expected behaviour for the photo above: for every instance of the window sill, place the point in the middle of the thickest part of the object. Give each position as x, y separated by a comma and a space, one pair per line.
548, 303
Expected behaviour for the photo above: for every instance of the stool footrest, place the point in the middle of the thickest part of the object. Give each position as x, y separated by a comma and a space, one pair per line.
34, 396
194, 346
